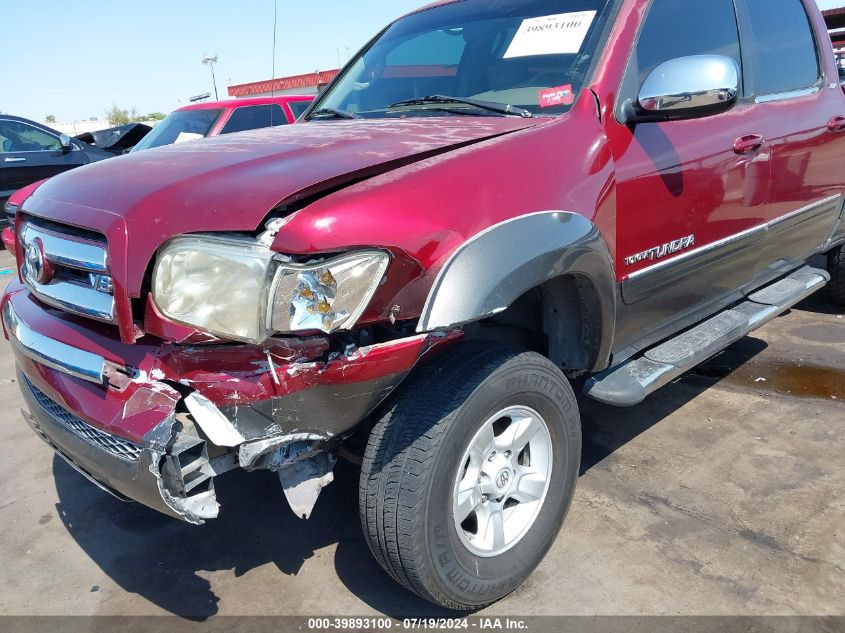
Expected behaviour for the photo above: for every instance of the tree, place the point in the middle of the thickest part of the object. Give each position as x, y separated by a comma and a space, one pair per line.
50, 118
117, 116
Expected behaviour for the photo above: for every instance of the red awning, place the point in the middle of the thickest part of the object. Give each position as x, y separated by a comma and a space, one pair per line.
835, 18
318, 78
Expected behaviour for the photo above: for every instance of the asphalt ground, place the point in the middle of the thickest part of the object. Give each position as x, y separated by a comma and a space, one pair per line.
722, 494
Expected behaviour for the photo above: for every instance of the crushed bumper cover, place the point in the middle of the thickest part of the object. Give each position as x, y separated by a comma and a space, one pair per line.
134, 475
160, 420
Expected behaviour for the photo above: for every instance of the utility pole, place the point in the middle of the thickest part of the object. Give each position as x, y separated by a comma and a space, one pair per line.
210, 60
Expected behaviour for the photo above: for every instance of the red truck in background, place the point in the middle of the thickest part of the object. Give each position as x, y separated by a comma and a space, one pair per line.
493, 202
213, 118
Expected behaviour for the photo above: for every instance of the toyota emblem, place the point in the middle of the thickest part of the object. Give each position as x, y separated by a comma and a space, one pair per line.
36, 267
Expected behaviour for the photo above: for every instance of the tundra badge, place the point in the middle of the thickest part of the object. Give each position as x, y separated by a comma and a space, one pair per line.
659, 252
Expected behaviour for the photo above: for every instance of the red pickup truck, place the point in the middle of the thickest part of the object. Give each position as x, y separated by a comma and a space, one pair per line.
493, 202
213, 118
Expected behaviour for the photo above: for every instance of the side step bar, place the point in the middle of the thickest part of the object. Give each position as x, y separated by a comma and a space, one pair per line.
629, 383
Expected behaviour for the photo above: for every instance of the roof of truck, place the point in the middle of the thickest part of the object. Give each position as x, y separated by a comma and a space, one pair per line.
432, 5
234, 103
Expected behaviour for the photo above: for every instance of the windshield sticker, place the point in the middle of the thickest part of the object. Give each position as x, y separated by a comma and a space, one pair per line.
551, 35
562, 95
187, 136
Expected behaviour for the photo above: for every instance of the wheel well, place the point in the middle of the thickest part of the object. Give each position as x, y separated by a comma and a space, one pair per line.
560, 319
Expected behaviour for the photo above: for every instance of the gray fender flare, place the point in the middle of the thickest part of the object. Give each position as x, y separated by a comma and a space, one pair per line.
491, 270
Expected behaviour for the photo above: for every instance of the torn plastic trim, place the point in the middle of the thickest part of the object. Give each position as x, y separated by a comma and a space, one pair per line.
185, 472
162, 441
275, 453
303, 481
211, 420
302, 459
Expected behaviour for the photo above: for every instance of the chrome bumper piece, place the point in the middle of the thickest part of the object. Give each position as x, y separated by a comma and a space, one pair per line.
52, 353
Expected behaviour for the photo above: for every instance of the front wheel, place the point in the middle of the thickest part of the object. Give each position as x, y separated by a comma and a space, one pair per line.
836, 267
469, 472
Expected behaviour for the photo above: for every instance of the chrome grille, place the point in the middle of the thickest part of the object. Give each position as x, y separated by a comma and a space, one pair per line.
67, 270
115, 445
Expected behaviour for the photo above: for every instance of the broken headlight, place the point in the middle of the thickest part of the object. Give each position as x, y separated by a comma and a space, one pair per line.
329, 295
241, 291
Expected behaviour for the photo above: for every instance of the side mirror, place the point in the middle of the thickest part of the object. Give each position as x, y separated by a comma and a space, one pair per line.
685, 88
66, 142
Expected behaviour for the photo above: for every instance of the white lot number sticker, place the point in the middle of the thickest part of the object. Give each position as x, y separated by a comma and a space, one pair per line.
551, 35
187, 136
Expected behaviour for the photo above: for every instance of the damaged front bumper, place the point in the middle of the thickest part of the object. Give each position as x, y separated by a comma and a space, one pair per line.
162, 473
156, 422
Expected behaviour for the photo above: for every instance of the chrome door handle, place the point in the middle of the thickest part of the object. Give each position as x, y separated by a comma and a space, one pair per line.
14, 160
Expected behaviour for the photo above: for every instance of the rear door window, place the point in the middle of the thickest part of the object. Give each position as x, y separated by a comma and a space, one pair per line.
254, 117
781, 47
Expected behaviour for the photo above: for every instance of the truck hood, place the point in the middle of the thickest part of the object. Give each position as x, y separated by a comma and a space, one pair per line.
231, 183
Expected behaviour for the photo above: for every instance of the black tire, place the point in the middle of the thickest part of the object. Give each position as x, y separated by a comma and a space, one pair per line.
412, 460
836, 267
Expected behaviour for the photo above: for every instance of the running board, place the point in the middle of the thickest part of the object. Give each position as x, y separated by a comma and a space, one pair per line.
629, 383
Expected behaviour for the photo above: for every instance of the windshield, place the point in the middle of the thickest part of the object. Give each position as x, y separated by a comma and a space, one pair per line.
185, 125
530, 54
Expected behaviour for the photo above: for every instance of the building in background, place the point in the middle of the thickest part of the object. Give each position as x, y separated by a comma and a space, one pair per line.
72, 128
835, 19
308, 84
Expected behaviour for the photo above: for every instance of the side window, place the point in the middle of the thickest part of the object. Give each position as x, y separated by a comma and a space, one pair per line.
20, 137
679, 28
298, 107
254, 117
782, 49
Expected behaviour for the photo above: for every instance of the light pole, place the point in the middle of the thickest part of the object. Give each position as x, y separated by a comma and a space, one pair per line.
210, 60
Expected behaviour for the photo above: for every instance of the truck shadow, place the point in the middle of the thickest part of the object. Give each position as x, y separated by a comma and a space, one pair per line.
165, 561
606, 429
820, 303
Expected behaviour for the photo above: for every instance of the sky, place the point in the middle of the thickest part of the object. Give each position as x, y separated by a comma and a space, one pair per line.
74, 58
